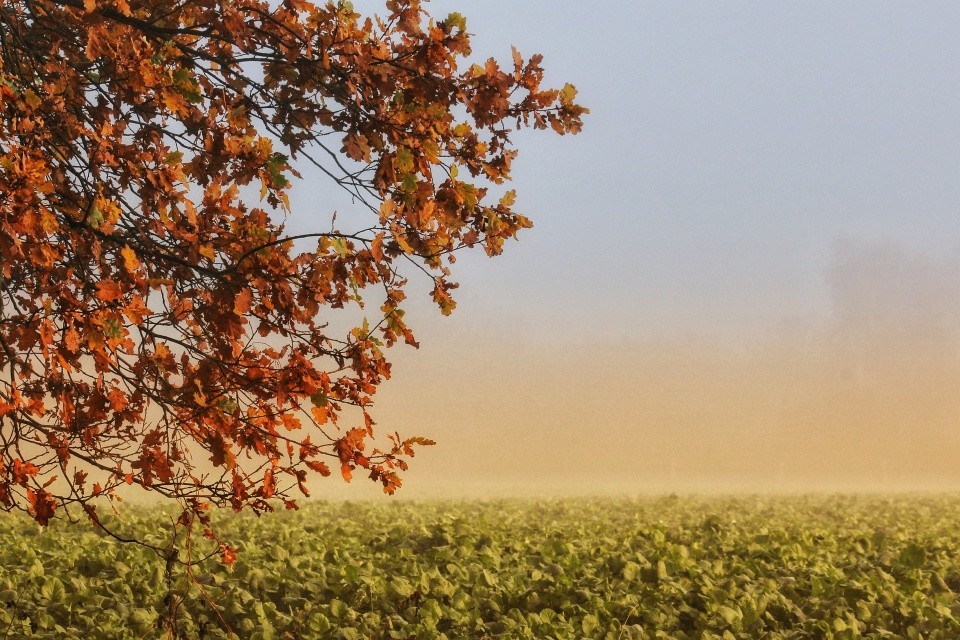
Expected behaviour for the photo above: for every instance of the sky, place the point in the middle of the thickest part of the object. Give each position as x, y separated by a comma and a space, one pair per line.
744, 273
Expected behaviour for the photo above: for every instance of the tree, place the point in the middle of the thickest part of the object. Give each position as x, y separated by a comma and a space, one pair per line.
159, 327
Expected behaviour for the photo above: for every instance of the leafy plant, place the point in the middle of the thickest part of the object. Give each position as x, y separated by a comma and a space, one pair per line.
704, 569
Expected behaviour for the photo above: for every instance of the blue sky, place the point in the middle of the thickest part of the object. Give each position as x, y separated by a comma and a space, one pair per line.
730, 147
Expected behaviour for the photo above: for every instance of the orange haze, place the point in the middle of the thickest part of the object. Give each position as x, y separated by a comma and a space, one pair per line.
866, 399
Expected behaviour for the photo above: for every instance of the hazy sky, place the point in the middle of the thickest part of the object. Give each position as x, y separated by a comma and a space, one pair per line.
745, 272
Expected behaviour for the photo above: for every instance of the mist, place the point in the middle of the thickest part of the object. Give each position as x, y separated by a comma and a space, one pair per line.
863, 399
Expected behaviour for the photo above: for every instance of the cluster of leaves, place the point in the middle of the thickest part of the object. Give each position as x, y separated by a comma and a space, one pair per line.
717, 569
159, 329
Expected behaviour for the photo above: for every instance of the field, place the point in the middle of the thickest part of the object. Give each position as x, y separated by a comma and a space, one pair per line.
717, 568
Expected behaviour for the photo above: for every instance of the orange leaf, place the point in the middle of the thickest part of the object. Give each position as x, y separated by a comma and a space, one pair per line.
321, 414
269, 484
376, 248
228, 555
71, 339
243, 301
23, 470
42, 506
208, 252
319, 467
109, 291
118, 399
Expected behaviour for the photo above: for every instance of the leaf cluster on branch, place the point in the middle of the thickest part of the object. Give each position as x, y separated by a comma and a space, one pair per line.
159, 327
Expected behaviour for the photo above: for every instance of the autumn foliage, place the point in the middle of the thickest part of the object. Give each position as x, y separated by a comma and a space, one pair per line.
159, 327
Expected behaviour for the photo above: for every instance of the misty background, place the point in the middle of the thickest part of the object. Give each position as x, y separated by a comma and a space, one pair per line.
744, 274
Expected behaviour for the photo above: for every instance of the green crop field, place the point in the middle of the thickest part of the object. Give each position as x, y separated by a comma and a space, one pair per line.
717, 568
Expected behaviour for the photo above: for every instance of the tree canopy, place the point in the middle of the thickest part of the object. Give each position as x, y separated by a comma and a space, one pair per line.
159, 326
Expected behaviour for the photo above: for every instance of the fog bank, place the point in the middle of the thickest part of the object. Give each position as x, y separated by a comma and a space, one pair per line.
867, 399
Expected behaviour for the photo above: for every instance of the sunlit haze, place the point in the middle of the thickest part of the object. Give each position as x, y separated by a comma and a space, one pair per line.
743, 274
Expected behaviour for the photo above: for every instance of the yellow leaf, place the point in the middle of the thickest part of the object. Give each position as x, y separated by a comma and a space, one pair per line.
402, 241
340, 246
32, 99
130, 261
387, 207
48, 221
568, 94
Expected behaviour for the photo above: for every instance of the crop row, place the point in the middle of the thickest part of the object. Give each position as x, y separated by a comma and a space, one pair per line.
681, 568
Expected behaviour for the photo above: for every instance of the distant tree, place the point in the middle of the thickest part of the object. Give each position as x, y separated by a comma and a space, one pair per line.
159, 326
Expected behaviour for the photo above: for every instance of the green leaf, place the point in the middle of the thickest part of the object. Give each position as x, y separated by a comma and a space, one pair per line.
913, 556
457, 20
661, 570
400, 587
112, 328
274, 166
589, 624
319, 623
143, 618
631, 570
339, 609
52, 589
339, 245
95, 217
729, 615
187, 86
35, 570
267, 631
404, 160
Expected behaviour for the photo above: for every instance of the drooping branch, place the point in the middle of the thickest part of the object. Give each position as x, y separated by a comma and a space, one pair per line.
159, 326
